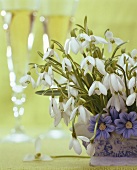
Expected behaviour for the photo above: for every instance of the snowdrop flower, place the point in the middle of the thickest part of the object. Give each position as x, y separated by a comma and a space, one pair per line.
90, 62
66, 63
25, 80
83, 113
134, 55
97, 39
131, 99
116, 101
64, 114
122, 58
53, 108
50, 52
113, 82
98, 88
91, 149
69, 104
45, 78
74, 143
72, 91
111, 39
37, 156
72, 44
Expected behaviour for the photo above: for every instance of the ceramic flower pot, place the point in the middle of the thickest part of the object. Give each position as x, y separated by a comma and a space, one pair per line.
115, 151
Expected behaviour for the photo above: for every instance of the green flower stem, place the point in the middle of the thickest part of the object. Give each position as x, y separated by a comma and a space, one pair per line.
124, 78
73, 128
69, 156
60, 88
113, 55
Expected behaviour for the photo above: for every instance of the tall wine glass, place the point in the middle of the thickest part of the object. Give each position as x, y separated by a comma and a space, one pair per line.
18, 19
57, 17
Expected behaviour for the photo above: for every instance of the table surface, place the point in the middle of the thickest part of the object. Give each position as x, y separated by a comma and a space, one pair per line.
12, 154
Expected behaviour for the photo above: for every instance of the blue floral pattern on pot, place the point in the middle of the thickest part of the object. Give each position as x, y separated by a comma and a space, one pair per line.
116, 146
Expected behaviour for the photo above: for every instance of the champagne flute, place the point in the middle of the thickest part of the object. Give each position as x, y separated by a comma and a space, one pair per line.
57, 17
18, 19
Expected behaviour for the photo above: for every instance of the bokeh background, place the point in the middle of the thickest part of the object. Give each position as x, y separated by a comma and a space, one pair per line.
120, 16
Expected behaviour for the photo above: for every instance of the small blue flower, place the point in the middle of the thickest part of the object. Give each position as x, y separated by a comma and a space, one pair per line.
127, 124
103, 128
113, 113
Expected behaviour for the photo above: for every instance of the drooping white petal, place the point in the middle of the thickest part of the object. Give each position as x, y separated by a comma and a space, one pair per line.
38, 145
48, 79
100, 66
114, 82
73, 113
90, 149
46, 55
109, 102
100, 40
71, 143
117, 103
33, 82
131, 99
57, 117
83, 63
67, 46
83, 138
82, 112
131, 82
85, 36
68, 103
102, 88
76, 146
109, 35
92, 88
134, 52
118, 41
91, 60
74, 45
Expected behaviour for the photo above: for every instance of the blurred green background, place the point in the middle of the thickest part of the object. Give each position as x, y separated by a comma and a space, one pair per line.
117, 15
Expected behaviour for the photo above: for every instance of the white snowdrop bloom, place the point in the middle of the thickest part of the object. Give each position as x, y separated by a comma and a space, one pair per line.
113, 82
133, 58
37, 156
53, 107
83, 113
90, 149
97, 39
72, 44
45, 78
111, 39
131, 99
72, 91
90, 62
122, 58
25, 80
69, 104
50, 53
74, 143
116, 101
98, 88
66, 63
64, 115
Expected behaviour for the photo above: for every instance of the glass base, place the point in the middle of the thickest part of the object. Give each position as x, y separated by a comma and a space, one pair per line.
17, 135
55, 133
